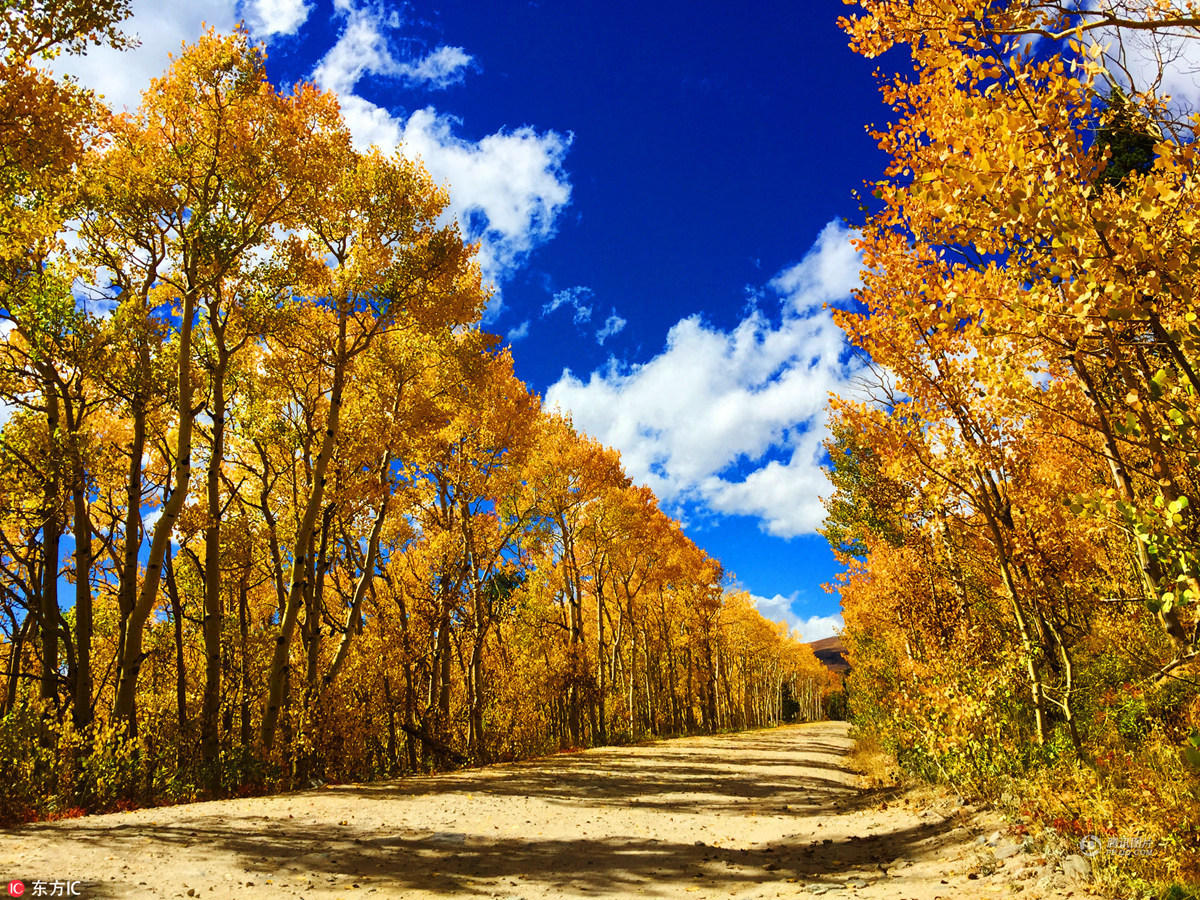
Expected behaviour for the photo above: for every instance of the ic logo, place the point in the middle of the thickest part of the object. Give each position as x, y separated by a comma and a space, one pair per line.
16, 888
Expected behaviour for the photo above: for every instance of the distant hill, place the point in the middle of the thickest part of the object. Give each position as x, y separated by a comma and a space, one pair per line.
832, 652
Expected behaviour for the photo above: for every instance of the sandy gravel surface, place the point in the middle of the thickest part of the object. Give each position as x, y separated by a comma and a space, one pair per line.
758, 815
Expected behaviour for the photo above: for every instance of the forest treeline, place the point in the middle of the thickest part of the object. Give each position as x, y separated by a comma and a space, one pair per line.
1017, 477
273, 508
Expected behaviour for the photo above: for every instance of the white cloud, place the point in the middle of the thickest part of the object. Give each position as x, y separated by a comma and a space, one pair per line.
364, 47
267, 18
361, 49
162, 29
441, 68
506, 190
1168, 62
780, 609
612, 325
371, 125
518, 333
828, 272
816, 627
786, 496
733, 420
577, 298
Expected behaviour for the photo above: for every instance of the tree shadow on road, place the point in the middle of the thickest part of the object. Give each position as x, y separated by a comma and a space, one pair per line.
786, 780
304, 856
718, 776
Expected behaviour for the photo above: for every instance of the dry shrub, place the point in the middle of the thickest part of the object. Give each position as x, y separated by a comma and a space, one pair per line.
873, 763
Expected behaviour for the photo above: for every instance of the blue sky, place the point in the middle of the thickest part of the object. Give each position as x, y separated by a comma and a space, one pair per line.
659, 190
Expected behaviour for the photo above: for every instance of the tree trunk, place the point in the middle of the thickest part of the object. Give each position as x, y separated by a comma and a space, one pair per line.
1147, 565
131, 661
210, 707
1037, 695
180, 664
280, 664
601, 686
576, 655
314, 605
51, 537
127, 584
82, 688
244, 668
632, 686
20, 633
360, 591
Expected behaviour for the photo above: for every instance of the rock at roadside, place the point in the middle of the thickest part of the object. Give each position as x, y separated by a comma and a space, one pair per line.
1006, 850
1077, 867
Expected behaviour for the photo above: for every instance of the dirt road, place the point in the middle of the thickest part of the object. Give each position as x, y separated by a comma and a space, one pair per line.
758, 815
